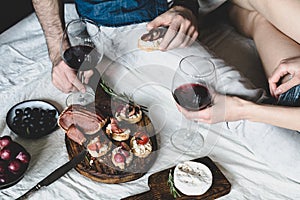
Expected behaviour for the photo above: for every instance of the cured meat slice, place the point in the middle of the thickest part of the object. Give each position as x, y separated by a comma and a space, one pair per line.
88, 121
76, 135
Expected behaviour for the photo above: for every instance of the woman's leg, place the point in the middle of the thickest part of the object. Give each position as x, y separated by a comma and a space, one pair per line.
272, 45
283, 14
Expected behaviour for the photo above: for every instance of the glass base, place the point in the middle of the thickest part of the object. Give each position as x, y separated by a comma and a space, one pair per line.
188, 141
80, 98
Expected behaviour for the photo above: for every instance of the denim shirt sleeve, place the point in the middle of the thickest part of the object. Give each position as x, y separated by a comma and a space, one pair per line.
119, 12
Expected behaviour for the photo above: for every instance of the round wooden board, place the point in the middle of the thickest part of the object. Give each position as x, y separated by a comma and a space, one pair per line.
103, 170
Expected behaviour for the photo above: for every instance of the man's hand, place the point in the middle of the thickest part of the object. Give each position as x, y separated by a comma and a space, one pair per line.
182, 31
65, 78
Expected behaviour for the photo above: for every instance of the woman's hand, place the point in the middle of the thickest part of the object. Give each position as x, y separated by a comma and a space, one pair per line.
224, 108
285, 76
182, 31
65, 78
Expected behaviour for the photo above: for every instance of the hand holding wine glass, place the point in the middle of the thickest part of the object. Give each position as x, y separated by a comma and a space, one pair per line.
192, 89
81, 50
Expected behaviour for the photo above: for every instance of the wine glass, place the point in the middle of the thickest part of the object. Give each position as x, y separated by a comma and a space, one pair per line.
192, 89
82, 50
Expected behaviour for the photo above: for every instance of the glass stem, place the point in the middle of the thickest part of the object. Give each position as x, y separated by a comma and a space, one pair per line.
190, 129
194, 132
80, 76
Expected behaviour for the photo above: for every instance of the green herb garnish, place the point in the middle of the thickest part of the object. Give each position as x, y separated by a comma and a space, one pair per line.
108, 90
170, 183
122, 97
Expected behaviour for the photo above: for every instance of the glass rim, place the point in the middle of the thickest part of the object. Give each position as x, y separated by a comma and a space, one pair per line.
197, 75
85, 20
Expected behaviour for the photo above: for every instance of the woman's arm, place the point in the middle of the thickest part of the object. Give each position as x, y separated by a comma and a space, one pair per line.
228, 108
286, 117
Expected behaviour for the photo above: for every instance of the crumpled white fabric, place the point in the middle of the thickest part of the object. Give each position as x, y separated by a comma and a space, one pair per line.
25, 74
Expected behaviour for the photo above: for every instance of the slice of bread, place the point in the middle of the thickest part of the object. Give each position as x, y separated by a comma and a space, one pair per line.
150, 41
98, 148
149, 45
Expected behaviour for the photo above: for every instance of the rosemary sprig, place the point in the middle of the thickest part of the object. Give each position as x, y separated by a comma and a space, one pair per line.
123, 97
170, 183
112, 93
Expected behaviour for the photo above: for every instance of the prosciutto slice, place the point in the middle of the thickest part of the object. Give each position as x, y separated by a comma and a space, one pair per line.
76, 135
87, 121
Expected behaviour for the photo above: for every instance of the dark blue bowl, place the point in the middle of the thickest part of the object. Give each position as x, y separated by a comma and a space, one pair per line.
32, 118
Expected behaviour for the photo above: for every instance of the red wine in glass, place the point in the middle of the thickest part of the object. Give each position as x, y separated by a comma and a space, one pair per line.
192, 89
81, 56
81, 50
192, 96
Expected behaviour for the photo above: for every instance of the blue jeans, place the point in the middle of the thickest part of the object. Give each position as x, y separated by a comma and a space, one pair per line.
290, 97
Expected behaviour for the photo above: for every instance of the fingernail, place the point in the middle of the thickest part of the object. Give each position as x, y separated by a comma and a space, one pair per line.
278, 91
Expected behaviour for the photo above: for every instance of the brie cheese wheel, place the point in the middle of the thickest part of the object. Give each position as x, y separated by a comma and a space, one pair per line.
192, 178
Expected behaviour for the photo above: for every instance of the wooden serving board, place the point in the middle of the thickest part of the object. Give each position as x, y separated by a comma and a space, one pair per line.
160, 190
103, 170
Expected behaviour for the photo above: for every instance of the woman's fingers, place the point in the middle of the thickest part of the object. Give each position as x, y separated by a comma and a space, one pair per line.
285, 76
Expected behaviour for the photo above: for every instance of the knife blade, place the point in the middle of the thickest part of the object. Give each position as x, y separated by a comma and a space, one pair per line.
56, 174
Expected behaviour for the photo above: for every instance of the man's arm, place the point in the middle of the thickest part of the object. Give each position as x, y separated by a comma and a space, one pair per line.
50, 14
51, 17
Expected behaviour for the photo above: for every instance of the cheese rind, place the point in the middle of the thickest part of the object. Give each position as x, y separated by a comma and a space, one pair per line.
192, 178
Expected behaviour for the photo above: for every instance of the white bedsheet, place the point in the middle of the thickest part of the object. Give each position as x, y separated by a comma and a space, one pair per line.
25, 74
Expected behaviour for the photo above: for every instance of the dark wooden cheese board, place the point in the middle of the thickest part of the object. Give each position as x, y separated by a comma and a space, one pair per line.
159, 188
103, 169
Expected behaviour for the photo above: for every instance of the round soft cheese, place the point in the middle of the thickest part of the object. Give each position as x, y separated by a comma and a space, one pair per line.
192, 178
